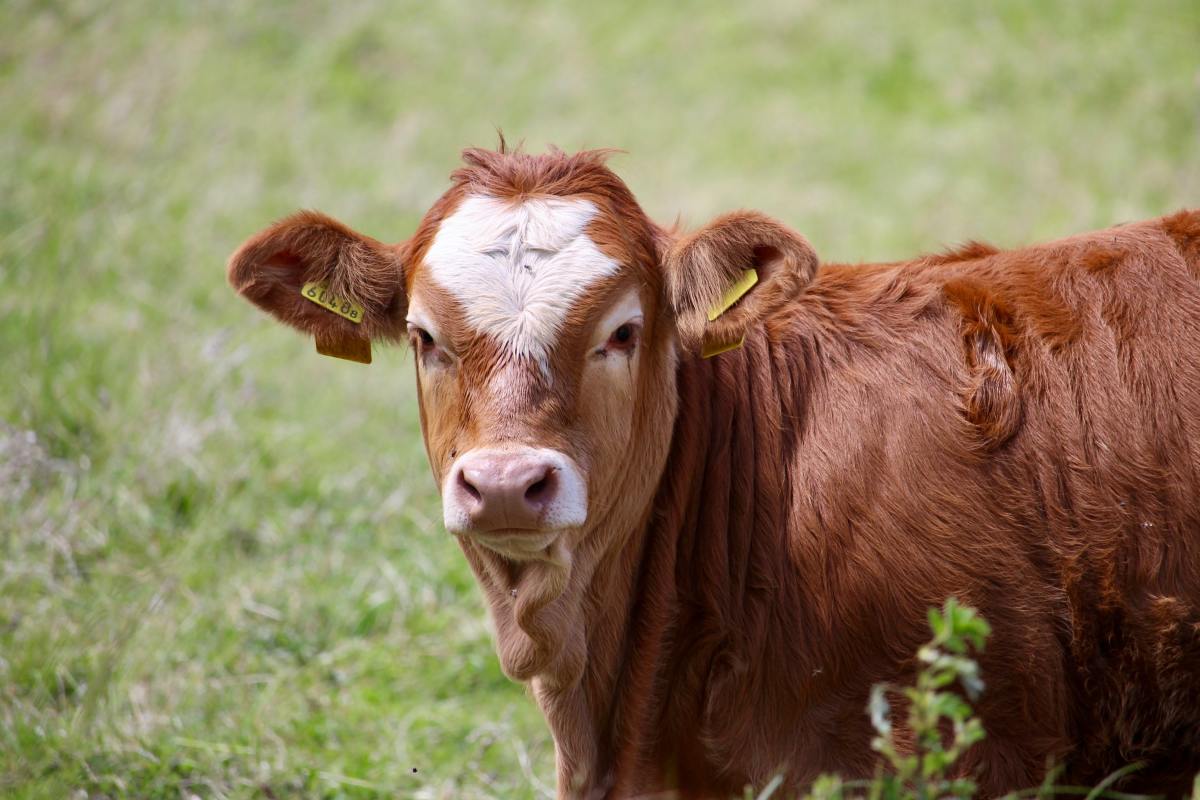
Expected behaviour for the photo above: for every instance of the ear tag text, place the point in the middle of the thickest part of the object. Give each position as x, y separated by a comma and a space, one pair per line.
351, 348
318, 292
731, 296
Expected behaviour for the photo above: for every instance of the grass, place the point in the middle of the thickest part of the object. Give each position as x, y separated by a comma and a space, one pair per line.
221, 568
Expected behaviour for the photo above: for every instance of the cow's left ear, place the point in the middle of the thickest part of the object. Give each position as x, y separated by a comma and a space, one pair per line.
319, 276
708, 268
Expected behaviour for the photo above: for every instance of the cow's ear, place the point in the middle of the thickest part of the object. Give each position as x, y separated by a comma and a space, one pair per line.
317, 275
732, 274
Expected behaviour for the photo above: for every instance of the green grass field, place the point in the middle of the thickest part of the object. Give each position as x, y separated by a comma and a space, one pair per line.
222, 572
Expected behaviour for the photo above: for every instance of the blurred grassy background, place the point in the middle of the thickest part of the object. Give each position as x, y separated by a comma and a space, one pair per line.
222, 571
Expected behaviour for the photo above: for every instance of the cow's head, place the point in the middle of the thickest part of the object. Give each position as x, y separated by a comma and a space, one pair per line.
546, 314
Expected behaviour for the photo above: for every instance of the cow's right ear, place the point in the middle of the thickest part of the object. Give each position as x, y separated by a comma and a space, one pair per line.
317, 275
732, 274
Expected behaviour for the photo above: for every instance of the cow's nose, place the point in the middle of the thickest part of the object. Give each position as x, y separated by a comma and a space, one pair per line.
505, 491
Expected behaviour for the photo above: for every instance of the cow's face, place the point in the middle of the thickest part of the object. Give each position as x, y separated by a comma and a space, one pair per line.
535, 326
545, 314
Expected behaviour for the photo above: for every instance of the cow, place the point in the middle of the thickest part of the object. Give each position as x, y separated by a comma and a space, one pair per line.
709, 485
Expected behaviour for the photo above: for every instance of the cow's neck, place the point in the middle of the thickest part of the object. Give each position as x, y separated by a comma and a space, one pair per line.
709, 564
563, 626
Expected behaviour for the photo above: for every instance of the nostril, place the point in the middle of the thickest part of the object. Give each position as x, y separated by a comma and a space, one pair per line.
540, 490
467, 486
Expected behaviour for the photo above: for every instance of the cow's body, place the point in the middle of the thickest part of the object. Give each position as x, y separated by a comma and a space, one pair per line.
827, 484
763, 531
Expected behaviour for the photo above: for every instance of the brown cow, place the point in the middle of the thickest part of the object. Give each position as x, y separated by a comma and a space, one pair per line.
702, 565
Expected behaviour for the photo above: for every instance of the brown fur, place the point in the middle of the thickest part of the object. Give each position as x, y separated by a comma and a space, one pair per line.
270, 269
990, 398
766, 529
701, 266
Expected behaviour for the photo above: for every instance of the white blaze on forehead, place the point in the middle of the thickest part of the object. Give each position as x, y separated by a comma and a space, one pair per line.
517, 268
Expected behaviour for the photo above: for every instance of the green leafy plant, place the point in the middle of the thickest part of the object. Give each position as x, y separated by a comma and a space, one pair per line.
942, 726
925, 769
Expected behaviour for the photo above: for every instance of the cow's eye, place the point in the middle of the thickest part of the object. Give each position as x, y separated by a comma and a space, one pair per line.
420, 337
623, 338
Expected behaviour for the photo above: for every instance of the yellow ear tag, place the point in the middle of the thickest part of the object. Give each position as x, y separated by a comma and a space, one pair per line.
733, 293
711, 350
351, 348
731, 296
318, 292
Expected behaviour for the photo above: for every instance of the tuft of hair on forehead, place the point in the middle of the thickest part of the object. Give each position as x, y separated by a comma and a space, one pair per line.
514, 173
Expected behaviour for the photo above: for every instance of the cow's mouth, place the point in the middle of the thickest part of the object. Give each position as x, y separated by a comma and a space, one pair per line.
518, 545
